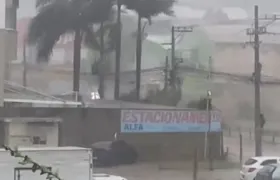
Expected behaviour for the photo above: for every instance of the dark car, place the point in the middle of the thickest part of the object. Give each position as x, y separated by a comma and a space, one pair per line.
112, 153
269, 172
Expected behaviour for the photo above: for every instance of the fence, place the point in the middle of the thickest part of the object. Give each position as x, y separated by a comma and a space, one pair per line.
268, 136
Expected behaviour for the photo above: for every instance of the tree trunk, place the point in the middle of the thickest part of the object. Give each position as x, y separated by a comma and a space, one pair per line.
101, 63
118, 54
138, 57
77, 63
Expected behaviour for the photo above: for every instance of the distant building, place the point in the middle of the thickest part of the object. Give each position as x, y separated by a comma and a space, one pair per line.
225, 15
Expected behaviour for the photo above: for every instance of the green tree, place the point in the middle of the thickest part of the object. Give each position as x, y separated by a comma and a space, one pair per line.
146, 9
58, 17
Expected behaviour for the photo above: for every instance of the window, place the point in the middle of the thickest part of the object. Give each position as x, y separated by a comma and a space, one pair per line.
38, 140
267, 169
265, 173
95, 95
269, 161
250, 162
276, 174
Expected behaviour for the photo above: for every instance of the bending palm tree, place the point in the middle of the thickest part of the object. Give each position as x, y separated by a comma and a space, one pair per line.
145, 9
57, 17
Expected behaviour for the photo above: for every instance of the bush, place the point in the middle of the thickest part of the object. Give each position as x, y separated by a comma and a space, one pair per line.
131, 96
169, 97
200, 104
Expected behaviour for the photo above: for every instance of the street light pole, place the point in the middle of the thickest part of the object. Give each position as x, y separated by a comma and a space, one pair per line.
209, 123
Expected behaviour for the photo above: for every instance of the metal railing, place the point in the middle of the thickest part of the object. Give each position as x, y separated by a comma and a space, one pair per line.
19, 89
35, 97
268, 135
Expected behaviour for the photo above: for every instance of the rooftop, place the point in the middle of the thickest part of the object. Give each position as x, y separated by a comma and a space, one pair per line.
65, 148
261, 158
125, 105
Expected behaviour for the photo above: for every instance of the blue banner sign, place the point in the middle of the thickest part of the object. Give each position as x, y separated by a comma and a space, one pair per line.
157, 121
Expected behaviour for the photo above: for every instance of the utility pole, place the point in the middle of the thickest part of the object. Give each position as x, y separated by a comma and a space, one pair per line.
173, 57
118, 53
258, 136
174, 62
256, 31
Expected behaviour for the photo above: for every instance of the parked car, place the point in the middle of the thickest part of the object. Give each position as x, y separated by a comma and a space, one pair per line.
269, 172
253, 165
98, 176
112, 153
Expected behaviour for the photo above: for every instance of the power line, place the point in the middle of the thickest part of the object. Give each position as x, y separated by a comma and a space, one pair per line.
174, 59
271, 81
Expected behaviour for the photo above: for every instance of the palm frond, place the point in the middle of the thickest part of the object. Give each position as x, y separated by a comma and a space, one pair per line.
107, 28
54, 17
92, 38
57, 17
50, 23
45, 46
95, 11
111, 38
40, 3
69, 15
149, 8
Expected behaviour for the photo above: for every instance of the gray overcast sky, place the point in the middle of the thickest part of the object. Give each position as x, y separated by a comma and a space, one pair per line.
27, 7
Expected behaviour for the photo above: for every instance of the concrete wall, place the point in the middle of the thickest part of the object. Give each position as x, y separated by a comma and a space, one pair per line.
11, 14
7, 53
2, 133
2, 65
83, 127
2, 13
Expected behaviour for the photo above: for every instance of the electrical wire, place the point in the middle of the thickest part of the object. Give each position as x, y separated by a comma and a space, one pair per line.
231, 76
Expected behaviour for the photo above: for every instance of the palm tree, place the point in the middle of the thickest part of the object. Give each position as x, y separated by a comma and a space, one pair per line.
58, 17
118, 51
107, 36
146, 9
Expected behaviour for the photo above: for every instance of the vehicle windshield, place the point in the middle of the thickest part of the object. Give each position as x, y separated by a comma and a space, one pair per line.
250, 161
276, 174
